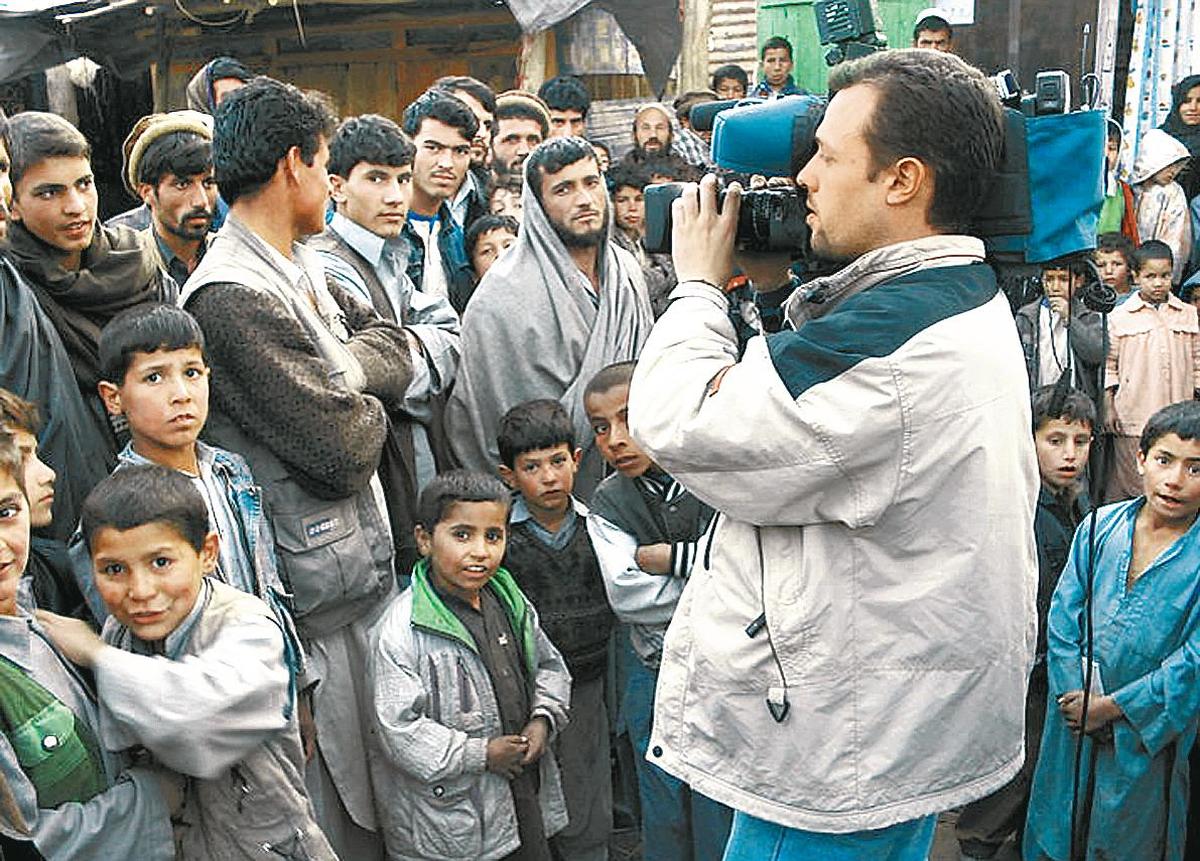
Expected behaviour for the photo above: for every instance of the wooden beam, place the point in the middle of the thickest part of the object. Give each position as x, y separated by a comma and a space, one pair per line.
693, 53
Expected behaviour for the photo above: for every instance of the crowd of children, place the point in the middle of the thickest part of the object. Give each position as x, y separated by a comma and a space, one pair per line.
289, 625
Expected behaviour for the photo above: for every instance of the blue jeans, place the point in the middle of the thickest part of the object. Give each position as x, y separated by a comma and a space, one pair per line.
755, 839
678, 823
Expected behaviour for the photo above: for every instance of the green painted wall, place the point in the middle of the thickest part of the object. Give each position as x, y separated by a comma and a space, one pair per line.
795, 20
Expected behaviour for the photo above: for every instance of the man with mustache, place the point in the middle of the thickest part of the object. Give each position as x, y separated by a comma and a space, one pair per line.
582, 305
442, 127
170, 168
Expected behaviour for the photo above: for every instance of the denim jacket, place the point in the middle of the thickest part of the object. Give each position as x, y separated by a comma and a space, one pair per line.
460, 277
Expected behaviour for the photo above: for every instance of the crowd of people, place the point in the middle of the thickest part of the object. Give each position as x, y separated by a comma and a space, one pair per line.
324, 533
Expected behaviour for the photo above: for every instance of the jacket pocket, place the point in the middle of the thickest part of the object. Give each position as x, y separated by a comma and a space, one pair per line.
446, 821
325, 555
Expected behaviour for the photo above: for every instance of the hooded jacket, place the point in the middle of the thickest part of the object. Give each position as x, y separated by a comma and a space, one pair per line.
854, 649
1162, 210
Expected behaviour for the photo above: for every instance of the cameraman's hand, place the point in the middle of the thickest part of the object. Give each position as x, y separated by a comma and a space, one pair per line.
702, 238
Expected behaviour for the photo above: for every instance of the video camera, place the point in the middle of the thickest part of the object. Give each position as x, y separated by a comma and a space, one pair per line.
776, 139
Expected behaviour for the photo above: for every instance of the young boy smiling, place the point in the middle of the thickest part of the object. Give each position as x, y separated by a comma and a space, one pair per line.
1142, 711
193, 670
468, 690
550, 556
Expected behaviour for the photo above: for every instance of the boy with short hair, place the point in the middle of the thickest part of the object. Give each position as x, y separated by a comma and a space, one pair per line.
487, 238
504, 197
730, 82
66, 797
193, 670
468, 690
1114, 259
48, 582
628, 185
776, 57
646, 530
155, 374
1135, 565
550, 556
1058, 333
1063, 422
1153, 360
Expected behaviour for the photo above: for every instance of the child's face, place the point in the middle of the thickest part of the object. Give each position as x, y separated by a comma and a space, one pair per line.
1167, 175
545, 478
164, 397
56, 201
1171, 478
1062, 451
1112, 152
1154, 281
629, 209
466, 546
505, 202
1114, 270
608, 413
1057, 283
149, 576
488, 249
39, 480
14, 542
777, 65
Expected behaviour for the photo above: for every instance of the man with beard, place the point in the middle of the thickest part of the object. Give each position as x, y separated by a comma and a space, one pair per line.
170, 168
522, 122
582, 305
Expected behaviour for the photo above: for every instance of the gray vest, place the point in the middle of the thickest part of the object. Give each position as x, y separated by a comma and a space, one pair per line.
335, 554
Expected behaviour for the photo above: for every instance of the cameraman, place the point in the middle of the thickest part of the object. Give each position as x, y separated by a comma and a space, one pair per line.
852, 658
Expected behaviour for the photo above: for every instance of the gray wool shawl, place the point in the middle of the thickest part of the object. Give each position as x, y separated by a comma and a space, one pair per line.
535, 329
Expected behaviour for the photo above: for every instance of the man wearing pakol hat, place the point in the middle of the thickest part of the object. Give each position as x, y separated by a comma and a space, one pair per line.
168, 164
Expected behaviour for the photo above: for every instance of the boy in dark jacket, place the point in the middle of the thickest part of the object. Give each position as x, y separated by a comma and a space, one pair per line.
1062, 435
550, 556
647, 529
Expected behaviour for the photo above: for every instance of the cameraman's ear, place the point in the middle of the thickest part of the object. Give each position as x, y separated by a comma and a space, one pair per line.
911, 178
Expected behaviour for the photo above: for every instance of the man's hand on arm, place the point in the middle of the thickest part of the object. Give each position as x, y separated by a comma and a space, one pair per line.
654, 558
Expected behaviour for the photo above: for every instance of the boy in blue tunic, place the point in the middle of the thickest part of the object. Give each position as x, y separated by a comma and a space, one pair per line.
1142, 712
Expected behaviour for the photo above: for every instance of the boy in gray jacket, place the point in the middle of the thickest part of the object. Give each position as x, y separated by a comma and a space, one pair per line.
192, 670
468, 691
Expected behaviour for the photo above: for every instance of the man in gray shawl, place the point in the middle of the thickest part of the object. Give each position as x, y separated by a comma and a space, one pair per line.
563, 302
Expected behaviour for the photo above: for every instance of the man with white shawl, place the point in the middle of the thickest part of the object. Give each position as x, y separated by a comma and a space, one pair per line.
563, 302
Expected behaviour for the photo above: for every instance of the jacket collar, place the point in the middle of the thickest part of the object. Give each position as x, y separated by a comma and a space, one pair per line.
430, 613
1135, 302
821, 295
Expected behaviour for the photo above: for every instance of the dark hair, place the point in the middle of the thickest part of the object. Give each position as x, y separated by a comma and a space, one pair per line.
565, 93
628, 176
136, 496
512, 182
368, 138
933, 24
1181, 419
483, 224
1116, 242
32, 137
1152, 249
18, 414
1075, 407
532, 425
473, 87
962, 148
553, 155
227, 67
181, 154
441, 106
145, 329
731, 71
521, 108
458, 485
609, 377
602, 145
683, 104
12, 461
672, 165
775, 42
1075, 264
256, 126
